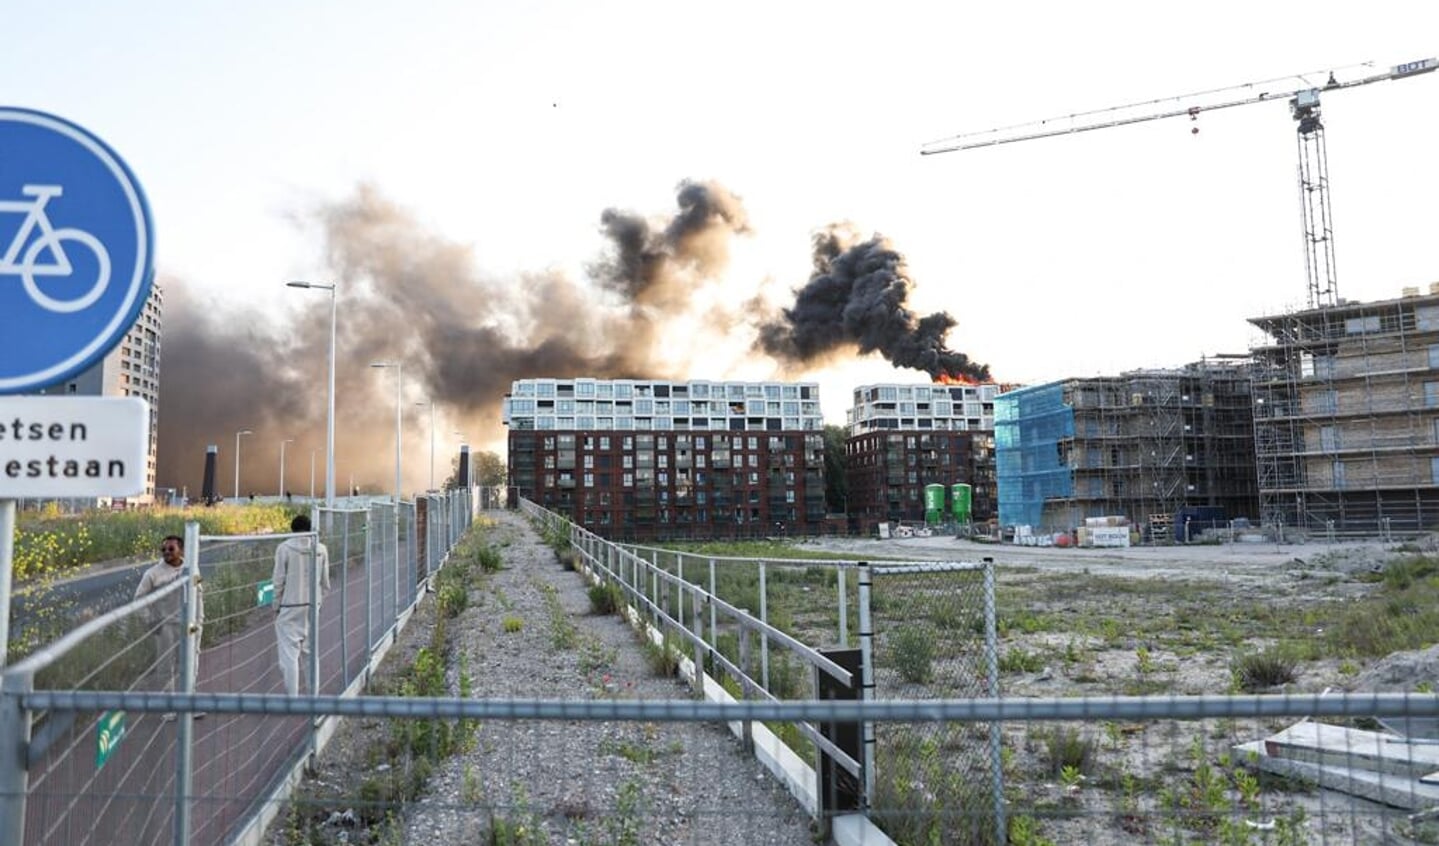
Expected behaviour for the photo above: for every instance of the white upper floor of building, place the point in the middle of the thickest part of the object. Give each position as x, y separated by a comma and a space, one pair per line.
898, 406
662, 405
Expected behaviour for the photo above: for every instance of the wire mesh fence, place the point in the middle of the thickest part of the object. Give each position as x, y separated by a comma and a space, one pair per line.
933, 636
181, 774
953, 760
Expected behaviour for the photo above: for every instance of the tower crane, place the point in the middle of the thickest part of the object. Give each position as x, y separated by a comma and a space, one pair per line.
1303, 107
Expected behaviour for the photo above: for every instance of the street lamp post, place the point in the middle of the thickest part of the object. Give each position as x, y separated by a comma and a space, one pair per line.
330, 416
282, 465
237, 459
399, 375
431, 403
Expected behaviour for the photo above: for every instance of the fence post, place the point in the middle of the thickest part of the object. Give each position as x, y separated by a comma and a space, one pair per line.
838, 791
866, 646
698, 613
746, 726
369, 590
14, 741
764, 633
395, 581
654, 597
714, 618
189, 642
991, 650
344, 601
313, 612
843, 608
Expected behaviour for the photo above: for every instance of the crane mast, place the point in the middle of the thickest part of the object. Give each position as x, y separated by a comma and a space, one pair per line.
1304, 107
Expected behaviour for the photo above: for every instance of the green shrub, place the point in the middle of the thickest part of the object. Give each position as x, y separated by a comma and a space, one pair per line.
1066, 748
1257, 671
606, 598
912, 654
452, 599
663, 658
1018, 660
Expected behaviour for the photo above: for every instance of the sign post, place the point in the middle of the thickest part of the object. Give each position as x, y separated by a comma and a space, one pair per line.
76, 267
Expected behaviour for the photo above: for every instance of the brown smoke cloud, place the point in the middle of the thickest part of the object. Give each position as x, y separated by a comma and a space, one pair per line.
406, 295
855, 299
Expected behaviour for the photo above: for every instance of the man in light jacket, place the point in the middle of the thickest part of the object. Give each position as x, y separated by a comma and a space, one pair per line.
293, 559
165, 621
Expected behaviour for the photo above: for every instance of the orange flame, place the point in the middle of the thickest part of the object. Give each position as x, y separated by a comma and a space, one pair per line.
946, 379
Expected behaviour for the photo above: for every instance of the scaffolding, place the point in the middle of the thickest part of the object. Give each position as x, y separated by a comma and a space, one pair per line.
1145, 445
1346, 417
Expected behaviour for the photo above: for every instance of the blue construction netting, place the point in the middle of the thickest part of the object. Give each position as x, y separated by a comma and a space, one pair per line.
1028, 425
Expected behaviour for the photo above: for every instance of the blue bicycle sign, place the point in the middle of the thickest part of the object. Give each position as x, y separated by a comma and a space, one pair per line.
76, 250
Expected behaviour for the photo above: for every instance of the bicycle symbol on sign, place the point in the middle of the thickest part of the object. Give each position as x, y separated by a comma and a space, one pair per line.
45, 256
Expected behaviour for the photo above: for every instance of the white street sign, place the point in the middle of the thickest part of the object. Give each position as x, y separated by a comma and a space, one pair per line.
73, 446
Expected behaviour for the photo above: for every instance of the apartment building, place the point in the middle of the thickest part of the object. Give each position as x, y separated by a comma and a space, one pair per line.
901, 438
131, 369
649, 459
1148, 445
1346, 416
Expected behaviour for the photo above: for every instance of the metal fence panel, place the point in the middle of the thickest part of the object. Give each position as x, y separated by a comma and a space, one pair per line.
144, 776
933, 637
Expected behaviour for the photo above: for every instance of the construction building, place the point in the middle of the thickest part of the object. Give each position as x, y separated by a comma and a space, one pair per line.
1152, 446
649, 459
1346, 416
902, 438
131, 369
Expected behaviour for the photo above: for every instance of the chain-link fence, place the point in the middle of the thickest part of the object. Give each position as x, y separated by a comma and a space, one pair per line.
1144, 768
931, 635
220, 626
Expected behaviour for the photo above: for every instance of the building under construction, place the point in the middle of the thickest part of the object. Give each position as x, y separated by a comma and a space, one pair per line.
1346, 405
1148, 445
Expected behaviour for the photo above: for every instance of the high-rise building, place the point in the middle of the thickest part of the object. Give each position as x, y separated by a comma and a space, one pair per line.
1148, 445
904, 438
131, 369
639, 459
1346, 416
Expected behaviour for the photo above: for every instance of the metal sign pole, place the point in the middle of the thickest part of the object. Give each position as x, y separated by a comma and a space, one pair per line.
7, 563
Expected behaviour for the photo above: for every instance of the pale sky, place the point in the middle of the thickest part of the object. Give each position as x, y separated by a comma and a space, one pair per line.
510, 127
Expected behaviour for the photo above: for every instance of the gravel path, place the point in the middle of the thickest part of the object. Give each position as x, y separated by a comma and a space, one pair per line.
584, 782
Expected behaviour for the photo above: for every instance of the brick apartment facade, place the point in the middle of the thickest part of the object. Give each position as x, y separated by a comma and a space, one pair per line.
644, 460
904, 437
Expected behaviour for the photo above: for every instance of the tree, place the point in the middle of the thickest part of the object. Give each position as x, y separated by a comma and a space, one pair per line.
836, 488
487, 469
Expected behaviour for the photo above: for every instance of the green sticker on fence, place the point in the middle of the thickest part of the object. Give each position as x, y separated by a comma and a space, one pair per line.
265, 593
108, 732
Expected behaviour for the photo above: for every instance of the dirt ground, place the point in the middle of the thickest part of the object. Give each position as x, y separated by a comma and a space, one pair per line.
1143, 621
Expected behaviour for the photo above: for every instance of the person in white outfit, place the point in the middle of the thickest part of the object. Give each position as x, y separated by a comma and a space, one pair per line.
293, 559
164, 617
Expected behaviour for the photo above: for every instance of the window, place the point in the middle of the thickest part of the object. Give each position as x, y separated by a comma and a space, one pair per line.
1338, 474
1431, 394
1361, 325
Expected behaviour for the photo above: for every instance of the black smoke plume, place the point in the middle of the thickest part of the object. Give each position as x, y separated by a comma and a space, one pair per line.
855, 297
462, 337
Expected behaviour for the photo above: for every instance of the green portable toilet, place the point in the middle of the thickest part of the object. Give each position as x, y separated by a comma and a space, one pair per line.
961, 496
933, 504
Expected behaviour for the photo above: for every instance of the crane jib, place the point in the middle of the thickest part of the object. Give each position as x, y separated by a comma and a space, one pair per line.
1411, 68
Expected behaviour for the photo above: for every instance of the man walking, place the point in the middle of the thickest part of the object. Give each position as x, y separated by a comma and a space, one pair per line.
293, 560
164, 618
